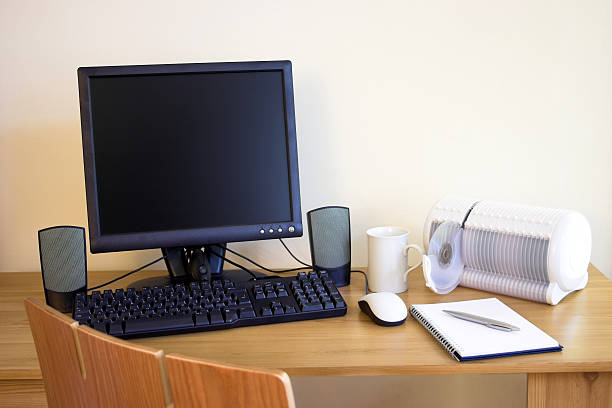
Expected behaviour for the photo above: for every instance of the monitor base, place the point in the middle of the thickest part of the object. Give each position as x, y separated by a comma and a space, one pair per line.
158, 281
233, 275
238, 275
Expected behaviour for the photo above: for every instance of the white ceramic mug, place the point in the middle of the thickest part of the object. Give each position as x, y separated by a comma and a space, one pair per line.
388, 259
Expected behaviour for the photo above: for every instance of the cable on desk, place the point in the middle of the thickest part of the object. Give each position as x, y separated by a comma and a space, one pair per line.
365, 277
128, 274
261, 266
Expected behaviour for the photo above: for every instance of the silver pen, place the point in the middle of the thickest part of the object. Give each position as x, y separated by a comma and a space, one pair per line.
493, 324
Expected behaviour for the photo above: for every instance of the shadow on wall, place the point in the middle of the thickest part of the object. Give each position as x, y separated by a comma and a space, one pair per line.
45, 186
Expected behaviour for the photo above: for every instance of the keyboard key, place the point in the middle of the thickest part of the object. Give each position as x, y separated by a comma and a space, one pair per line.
230, 315
266, 311
289, 309
81, 315
116, 328
171, 322
311, 306
201, 319
245, 312
216, 316
100, 326
328, 305
331, 288
339, 302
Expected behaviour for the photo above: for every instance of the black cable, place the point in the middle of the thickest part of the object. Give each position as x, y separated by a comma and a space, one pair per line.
365, 277
233, 263
128, 274
291, 253
258, 265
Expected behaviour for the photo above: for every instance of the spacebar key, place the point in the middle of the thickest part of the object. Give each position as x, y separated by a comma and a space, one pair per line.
159, 323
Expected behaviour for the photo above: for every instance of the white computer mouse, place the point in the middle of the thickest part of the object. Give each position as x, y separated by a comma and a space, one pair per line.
384, 308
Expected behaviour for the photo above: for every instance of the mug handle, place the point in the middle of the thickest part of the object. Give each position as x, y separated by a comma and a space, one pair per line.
405, 252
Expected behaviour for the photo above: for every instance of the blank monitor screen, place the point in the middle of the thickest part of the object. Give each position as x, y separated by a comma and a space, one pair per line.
190, 150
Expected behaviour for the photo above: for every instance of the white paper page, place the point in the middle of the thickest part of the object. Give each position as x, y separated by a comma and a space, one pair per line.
473, 339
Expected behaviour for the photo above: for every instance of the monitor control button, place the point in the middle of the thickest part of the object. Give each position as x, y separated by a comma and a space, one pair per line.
280, 230
271, 231
262, 231
291, 229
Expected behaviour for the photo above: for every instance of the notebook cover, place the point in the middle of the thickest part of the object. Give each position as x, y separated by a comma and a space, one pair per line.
466, 341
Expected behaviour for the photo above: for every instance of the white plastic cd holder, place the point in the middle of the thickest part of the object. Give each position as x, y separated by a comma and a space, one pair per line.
536, 253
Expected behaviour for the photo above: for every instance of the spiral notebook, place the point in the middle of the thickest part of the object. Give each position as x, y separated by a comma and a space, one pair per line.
471, 341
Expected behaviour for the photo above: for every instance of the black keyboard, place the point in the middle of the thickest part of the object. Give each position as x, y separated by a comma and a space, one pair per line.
209, 305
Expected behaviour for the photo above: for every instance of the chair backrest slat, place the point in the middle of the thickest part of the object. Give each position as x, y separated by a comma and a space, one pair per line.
125, 373
196, 382
60, 361
84, 367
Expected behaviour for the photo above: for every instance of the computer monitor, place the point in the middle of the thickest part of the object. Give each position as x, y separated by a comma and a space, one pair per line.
184, 156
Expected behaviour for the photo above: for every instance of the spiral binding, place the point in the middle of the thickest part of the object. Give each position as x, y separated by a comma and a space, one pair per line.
452, 349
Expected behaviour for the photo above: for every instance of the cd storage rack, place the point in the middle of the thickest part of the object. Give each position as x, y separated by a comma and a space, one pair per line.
535, 253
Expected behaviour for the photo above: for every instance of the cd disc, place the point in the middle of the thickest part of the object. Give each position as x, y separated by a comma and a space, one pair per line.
443, 264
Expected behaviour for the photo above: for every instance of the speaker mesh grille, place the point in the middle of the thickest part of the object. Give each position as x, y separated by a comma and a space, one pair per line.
330, 237
62, 258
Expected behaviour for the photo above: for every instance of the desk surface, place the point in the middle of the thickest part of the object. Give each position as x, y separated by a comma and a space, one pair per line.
352, 344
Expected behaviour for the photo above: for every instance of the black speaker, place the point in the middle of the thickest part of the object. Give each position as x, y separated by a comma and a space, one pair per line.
329, 231
63, 264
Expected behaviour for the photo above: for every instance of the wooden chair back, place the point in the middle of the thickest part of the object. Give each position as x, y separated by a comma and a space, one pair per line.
59, 357
125, 374
197, 382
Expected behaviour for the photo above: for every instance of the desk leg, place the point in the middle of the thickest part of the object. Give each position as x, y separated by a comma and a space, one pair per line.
569, 390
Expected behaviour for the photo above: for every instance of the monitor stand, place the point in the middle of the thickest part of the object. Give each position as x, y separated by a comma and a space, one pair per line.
194, 264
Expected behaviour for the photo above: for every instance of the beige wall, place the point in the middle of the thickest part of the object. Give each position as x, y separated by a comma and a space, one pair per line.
397, 104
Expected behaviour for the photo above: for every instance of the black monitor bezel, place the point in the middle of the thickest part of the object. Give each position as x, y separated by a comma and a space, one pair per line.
197, 236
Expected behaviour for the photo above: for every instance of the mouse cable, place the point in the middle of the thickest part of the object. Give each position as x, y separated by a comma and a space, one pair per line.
365, 277
261, 266
128, 274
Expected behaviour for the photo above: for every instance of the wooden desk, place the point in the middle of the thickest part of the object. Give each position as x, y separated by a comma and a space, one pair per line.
352, 345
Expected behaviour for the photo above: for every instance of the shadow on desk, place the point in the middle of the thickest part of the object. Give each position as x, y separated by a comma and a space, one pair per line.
423, 391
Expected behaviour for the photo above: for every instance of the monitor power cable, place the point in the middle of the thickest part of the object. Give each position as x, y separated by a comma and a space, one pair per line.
307, 266
263, 267
242, 267
128, 274
236, 264
293, 256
